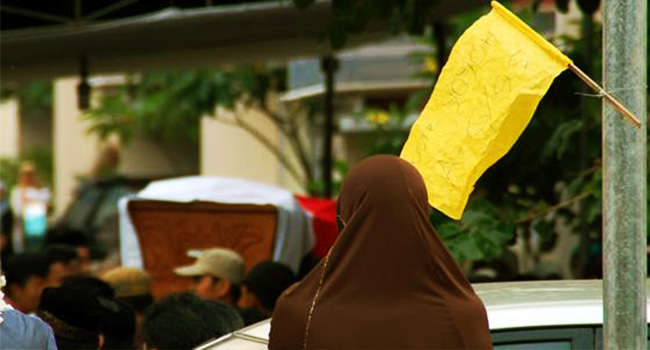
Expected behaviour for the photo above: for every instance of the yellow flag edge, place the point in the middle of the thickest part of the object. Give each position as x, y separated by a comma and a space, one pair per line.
540, 40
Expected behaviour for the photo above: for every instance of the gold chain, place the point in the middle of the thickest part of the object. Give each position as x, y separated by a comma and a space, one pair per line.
313, 302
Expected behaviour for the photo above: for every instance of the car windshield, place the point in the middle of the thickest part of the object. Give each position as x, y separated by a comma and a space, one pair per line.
83, 208
108, 207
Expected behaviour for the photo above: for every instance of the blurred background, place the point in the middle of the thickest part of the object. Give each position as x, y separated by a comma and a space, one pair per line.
101, 97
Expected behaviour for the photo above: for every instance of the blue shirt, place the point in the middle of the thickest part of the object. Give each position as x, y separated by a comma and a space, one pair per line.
19, 331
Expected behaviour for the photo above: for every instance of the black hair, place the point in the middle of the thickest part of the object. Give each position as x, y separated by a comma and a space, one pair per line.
139, 303
252, 315
66, 236
60, 253
184, 321
21, 267
91, 285
267, 280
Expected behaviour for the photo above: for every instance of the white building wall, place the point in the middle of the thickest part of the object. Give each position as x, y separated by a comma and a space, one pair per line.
74, 148
228, 150
9, 129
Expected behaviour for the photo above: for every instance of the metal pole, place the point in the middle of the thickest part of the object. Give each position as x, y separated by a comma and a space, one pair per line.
329, 66
585, 237
625, 176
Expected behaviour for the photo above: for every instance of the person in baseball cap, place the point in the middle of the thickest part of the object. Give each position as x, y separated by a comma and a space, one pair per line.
133, 287
217, 274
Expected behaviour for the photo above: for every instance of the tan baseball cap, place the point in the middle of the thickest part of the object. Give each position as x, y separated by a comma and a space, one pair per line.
217, 262
128, 282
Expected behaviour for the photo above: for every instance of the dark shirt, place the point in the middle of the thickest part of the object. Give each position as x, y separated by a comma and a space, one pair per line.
251, 316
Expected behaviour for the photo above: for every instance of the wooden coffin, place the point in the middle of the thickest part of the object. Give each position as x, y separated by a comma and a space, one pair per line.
166, 231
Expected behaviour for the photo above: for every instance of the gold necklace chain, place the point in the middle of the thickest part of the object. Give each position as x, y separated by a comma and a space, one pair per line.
313, 302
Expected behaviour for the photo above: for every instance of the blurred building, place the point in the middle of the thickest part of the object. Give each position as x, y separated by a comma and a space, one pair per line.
370, 77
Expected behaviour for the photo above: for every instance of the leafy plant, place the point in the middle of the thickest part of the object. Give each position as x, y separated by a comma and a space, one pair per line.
35, 95
43, 162
170, 106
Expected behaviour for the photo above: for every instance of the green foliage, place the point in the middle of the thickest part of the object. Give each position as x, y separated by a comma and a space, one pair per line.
42, 159
170, 105
546, 177
482, 234
353, 16
561, 139
35, 95
9, 171
316, 187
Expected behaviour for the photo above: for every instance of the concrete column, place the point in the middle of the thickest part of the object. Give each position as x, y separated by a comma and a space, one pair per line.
9, 129
74, 148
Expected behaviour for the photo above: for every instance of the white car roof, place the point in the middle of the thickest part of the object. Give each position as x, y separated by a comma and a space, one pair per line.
253, 337
510, 305
543, 303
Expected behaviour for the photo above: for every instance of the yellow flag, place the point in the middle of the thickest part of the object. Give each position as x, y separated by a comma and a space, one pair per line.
485, 96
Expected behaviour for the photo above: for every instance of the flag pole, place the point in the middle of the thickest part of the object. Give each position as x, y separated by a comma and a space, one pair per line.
608, 97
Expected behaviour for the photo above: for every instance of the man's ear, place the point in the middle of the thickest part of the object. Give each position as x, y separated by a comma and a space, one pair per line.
224, 287
14, 289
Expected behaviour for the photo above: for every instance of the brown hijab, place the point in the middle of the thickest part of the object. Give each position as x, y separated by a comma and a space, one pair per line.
388, 282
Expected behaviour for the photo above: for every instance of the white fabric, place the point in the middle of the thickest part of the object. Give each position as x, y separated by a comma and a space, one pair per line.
3, 305
294, 235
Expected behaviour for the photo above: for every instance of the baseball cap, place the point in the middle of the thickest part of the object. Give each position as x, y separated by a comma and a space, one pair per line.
128, 282
217, 262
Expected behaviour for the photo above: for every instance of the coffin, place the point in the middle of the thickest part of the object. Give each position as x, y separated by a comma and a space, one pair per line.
167, 231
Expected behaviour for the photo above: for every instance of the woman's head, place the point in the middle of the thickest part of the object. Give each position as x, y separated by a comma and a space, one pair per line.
385, 185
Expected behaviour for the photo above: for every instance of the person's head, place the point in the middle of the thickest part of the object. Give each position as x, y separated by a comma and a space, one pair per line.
26, 275
63, 236
27, 174
133, 287
184, 321
63, 262
264, 284
387, 261
83, 320
91, 285
216, 274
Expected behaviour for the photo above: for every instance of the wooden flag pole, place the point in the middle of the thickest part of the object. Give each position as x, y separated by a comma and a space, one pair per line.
611, 99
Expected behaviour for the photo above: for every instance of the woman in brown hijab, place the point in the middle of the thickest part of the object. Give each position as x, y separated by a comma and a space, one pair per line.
388, 282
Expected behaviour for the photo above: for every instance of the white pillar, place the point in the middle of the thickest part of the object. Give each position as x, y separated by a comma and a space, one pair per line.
74, 148
9, 129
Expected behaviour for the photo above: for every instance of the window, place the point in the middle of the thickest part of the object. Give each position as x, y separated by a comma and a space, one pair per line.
544, 339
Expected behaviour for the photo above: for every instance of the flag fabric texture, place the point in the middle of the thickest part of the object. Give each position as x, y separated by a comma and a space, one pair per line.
484, 98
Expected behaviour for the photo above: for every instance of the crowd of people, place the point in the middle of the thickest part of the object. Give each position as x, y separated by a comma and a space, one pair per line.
50, 296
388, 282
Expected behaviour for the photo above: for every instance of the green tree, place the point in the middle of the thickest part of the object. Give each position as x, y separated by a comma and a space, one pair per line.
34, 96
170, 106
